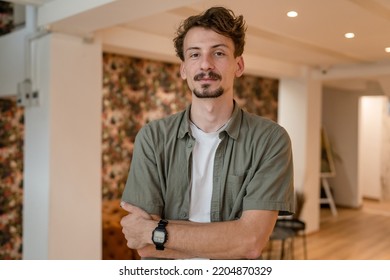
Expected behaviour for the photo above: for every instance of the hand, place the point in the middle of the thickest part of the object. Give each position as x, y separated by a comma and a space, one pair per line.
137, 226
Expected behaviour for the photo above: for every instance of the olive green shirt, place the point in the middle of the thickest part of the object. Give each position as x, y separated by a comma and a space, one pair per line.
253, 168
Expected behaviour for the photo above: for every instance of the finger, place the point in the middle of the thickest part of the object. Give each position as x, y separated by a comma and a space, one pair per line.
134, 209
129, 207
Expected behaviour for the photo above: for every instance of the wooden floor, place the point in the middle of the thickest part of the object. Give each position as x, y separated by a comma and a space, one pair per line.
355, 234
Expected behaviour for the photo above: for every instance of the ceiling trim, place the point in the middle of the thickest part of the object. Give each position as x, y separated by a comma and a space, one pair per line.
373, 7
372, 70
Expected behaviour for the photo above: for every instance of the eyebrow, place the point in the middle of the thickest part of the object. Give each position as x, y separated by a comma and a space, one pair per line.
212, 47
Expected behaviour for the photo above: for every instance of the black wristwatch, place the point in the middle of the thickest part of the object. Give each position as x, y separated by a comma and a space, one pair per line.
160, 235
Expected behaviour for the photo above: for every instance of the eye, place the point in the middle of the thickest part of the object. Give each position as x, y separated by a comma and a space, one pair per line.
193, 55
219, 53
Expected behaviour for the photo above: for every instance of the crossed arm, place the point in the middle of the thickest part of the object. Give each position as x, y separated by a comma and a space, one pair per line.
244, 238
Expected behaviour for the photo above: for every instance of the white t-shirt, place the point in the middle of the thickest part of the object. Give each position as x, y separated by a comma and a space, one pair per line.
203, 155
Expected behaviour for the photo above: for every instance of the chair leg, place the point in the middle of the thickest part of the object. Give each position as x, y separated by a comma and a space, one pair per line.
304, 245
292, 248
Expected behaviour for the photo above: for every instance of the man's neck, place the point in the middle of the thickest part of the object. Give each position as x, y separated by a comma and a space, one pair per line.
210, 114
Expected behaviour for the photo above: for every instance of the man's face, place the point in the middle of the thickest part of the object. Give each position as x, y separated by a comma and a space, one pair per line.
209, 64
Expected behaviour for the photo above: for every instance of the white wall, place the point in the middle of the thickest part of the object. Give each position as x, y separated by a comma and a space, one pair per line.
385, 175
362, 168
371, 110
12, 56
62, 157
340, 119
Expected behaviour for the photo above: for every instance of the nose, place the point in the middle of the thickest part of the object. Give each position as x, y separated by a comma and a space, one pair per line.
207, 63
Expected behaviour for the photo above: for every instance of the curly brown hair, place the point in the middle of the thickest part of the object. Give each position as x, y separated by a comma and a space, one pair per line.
218, 19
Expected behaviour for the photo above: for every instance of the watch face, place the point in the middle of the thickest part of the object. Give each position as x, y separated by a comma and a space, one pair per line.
159, 236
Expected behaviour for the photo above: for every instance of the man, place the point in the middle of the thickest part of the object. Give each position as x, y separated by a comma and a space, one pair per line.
208, 182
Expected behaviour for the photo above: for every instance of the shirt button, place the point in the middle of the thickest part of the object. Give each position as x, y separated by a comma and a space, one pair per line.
190, 145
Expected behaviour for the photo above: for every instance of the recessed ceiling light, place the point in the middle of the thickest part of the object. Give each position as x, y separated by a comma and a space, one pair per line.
387, 49
292, 14
349, 35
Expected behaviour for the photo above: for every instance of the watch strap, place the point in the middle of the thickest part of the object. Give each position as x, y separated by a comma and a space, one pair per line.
162, 224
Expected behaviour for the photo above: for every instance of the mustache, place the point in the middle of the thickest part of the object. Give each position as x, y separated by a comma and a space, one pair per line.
210, 75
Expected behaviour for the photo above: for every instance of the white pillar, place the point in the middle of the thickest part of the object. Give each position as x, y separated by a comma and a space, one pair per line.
300, 113
372, 110
62, 157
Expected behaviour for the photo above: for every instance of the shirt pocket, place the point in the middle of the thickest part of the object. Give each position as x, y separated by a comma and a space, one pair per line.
234, 195
233, 185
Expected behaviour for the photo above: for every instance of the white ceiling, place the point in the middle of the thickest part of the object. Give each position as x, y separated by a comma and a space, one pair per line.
315, 39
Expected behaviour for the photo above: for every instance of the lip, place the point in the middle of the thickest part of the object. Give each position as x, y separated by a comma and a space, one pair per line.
208, 80
207, 77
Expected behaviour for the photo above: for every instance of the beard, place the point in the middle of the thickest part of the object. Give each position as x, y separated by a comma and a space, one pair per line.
205, 91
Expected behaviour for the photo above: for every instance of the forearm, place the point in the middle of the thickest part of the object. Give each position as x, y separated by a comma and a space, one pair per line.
238, 239
214, 241
243, 238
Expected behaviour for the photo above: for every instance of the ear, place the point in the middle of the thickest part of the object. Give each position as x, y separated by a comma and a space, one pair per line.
240, 66
183, 71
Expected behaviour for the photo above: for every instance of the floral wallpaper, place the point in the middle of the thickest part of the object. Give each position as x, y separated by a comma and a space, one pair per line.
136, 91
258, 95
11, 179
6, 17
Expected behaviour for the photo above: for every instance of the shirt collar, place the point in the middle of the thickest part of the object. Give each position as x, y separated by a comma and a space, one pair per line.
185, 124
232, 129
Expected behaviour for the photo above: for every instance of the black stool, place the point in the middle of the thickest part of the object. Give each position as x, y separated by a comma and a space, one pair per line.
282, 234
